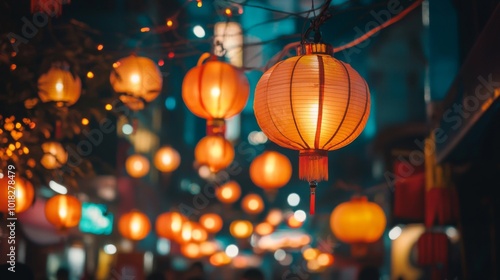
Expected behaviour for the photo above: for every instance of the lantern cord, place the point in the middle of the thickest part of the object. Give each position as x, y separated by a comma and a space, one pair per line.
312, 201
370, 33
316, 23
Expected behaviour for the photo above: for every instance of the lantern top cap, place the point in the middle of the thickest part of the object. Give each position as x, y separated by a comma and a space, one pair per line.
314, 48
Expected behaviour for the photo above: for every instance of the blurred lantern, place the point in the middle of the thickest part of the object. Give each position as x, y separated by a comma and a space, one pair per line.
54, 155
270, 171
252, 204
358, 222
325, 259
137, 166
310, 254
137, 79
24, 193
292, 222
241, 229
215, 152
215, 91
63, 211
274, 217
187, 232
229, 192
313, 103
199, 234
167, 159
191, 250
211, 222
219, 259
208, 248
134, 225
59, 85
169, 225
264, 229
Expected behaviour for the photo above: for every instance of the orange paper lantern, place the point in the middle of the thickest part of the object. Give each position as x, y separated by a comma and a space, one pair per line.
54, 155
215, 91
137, 166
215, 152
167, 159
358, 221
252, 204
312, 103
211, 222
137, 79
229, 192
191, 250
59, 85
264, 229
270, 170
169, 225
63, 211
19, 198
241, 229
134, 225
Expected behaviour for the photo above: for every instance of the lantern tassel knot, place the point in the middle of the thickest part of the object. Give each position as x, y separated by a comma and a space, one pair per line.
313, 165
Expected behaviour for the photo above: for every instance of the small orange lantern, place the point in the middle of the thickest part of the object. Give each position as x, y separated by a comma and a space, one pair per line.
167, 159
229, 192
219, 259
208, 248
54, 155
191, 250
270, 170
211, 222
292, 222
187, 232
215, 91
134, 225
137, 166
241, 229
358, 221
23, 194
199, 234
63, 211
215, 152
264, 229
252, 204
137, 79
59, 85
274, 217
312, 103
169, 225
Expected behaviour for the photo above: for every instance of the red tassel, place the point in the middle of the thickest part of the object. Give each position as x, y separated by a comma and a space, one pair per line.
216, 127
312, 201
313, 165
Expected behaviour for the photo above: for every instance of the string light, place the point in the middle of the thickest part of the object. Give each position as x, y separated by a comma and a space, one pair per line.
228, 12
13, 67
100, 47
170, 23
161, 62
85, 121
108, 107
145, 29
171, 55
199, 4
90, 75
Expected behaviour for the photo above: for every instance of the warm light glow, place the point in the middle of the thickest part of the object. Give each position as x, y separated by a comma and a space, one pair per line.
137, 166
219, 259
134, 225
187, 231
229, 192
169, 225
100, 47
199, 4
274, 217
211, 222
85, 121
54, 155
358, 221
170, 23
215, 89
63, 211
135, 78
241, 229
90, 75
59, 86
167, 159
325, 259
293, 222
252, 204
310, 254
108, 107
145, 29
215, 152
199, 234
264, 229
208, 248
191, 250
270, 170
24, 194
228, 12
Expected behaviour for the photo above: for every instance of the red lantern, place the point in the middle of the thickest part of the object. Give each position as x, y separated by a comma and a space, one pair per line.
312, 103
63, 211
